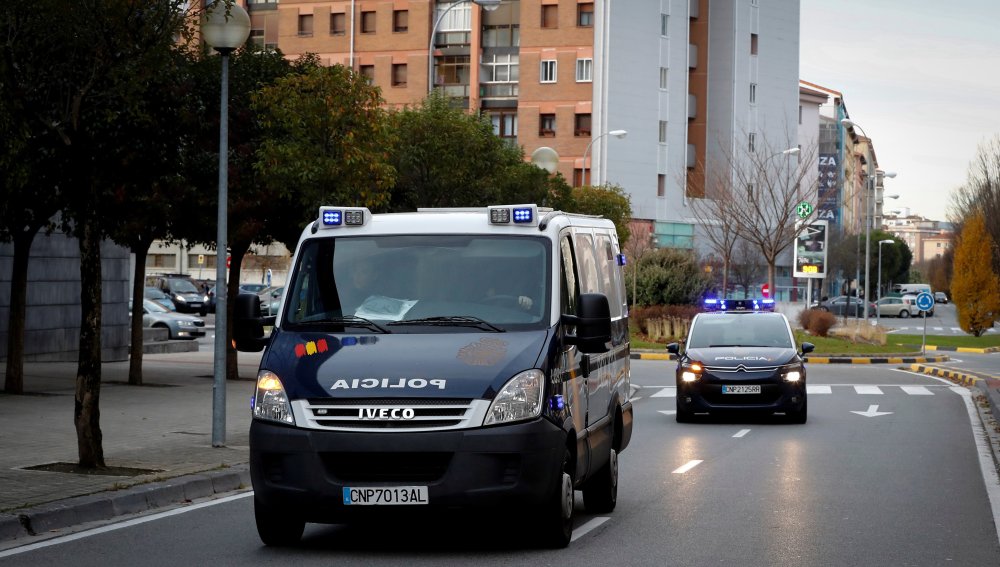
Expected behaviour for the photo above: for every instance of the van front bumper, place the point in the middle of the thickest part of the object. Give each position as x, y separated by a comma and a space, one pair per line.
304, 472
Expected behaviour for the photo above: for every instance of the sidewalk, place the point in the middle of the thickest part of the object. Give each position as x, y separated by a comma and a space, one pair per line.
164, 426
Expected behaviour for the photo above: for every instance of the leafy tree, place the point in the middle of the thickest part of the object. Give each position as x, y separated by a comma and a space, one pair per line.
981, 194
609, 201
975, 288
670, 276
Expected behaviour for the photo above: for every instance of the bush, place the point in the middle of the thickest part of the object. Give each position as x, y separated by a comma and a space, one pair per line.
664, 321
668, 276
817, 322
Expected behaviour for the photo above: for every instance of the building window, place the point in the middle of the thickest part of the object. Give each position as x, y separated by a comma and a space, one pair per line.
665, 25
753, 44
504, 124
753, 94
550, 16
548, 71
305, 25
663, 131
455, 70
161, 260
368, 72
338, 24
505, 35
585, 15
399, 74
584, 70
547, 125
661, 185
581, 126
663, 78
800, 114
400, 21
752, 142
501, 69
367, 22
675, 234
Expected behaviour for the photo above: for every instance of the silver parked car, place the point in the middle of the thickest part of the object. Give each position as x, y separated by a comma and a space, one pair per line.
181, 326
897, 307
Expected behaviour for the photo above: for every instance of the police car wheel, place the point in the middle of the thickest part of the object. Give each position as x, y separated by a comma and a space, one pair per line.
556, 519
600, 494
682, 415
799, 416
277, 528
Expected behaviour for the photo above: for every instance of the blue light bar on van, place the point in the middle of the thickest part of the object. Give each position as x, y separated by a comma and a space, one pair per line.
521, 215
336, 217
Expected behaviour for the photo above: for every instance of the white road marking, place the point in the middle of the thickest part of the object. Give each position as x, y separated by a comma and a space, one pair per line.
819, 390
872, 412
986, 464
588, 527
668, 412
870, 390
741, 433
669, 392
917, 391
635, 398
118, 526
690, 465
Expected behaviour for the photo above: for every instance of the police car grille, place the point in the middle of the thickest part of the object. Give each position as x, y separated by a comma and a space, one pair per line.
765, 370
386, 467
392, 414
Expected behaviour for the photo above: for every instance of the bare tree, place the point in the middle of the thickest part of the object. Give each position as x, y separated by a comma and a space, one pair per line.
640, 242
714, 213
981, 194
746, 266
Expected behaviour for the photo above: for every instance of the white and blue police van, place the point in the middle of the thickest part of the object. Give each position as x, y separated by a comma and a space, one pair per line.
446, 360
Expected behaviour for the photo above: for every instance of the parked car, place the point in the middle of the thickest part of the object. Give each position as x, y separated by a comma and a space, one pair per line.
254, 288
270, 300
179, 325
897, 307
182, 290
208, 305
940, 297
157, 295
847, 306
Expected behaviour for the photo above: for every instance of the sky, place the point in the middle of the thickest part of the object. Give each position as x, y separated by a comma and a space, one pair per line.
920, 77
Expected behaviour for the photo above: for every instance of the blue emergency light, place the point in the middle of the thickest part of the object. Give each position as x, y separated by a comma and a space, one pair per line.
332, 218
336, 217
730, 305
523, 215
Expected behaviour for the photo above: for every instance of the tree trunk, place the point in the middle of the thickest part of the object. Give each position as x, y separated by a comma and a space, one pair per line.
86, 408
238, 252
14, 377
138, 294
725, 277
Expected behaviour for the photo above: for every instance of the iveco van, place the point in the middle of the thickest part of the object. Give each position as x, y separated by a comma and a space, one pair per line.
469, 360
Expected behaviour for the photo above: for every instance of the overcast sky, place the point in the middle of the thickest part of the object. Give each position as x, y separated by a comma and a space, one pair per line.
921, 77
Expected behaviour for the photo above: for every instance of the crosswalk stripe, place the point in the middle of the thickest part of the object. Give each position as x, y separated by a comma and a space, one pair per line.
917, 391
873, 390
819, 389
668, 392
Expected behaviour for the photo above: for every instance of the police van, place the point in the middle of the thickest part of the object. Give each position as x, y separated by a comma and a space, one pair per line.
442, 360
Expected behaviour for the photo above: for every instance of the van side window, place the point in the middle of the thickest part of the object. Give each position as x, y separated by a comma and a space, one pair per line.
610, 282
569, 290
587, 264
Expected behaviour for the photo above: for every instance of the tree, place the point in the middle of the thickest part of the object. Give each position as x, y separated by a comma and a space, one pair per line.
670, 276
975, 290
747, 269
609, 201
641, 241
714, 214
981, 194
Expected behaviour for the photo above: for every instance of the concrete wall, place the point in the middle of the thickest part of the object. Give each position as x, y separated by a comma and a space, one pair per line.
52, 318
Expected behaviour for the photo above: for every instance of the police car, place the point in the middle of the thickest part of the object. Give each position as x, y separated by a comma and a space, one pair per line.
454, 360
740, 356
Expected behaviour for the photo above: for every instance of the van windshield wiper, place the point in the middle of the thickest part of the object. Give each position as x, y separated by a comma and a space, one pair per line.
347, 321
452, 321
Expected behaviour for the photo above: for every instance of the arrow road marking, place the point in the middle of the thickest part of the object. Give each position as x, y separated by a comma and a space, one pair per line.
872, 412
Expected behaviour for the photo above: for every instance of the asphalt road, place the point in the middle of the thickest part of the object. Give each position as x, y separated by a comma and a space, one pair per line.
887, 471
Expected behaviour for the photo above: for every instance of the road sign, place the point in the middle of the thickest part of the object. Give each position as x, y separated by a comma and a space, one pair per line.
766, 290
925, 301
803, 209
201, 259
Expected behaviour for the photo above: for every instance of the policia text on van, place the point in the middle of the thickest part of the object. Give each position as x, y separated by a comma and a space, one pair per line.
473, 359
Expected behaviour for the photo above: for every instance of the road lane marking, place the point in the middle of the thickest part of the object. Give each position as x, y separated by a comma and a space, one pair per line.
668, 412
819, 390
741, 433
917, 390
986, 464
670, 392
588, 527
690, 465
870, 390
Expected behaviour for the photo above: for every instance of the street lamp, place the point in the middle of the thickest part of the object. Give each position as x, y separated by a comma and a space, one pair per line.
488, 5
546, 158
225, 26
616, 133
878, 307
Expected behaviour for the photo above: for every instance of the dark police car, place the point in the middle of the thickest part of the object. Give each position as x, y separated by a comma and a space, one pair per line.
740, 356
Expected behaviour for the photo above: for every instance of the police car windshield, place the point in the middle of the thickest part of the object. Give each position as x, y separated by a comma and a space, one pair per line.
497, 279
740, 330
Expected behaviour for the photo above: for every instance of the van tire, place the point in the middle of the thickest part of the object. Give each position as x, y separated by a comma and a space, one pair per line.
904, 314
275, 527
556, 519
600, 494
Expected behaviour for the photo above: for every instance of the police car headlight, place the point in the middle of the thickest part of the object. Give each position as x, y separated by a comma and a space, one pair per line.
270, 402
691, 373
793, 376
518, 400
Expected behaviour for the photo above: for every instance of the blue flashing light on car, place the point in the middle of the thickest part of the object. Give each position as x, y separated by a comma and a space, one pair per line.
730, 305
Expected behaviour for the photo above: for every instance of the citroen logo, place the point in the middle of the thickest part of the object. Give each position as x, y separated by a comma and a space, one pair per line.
741, 368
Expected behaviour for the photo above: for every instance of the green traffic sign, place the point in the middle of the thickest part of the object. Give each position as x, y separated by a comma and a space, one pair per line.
804, 209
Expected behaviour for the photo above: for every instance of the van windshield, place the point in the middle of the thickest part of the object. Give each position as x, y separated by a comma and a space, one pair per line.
500, 280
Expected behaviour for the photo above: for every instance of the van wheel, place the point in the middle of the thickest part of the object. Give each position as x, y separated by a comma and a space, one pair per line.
277, 528
556, 518
600, 494
904, 314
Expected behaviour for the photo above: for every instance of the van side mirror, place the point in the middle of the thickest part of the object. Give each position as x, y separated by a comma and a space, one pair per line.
593, 324
248, 325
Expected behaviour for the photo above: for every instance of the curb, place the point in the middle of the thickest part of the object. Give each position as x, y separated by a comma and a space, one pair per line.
874, 359
961, 378
38, 520
986, 350
652, 356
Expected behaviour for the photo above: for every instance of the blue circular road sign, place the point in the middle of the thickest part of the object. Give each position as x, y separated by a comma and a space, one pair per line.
925, 301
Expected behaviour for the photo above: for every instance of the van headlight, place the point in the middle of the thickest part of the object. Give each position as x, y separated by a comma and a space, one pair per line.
270, 401
518, 400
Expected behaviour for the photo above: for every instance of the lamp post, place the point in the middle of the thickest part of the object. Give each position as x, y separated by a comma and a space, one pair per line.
546, 158
878, 308
488, 5
616, 133
225, 26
